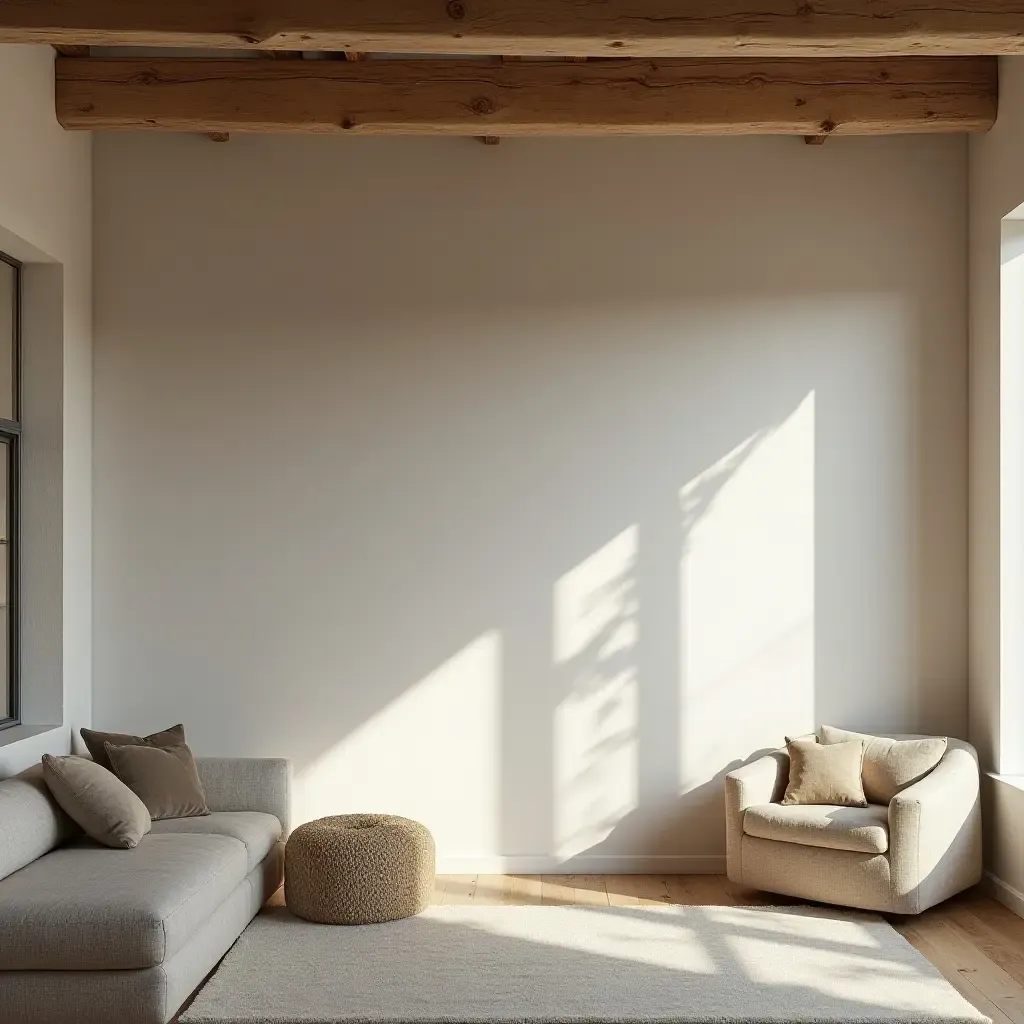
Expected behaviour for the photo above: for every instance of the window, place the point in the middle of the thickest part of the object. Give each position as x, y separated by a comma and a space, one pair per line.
10, 436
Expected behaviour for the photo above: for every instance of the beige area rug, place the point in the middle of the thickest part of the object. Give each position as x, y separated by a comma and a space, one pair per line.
599, 965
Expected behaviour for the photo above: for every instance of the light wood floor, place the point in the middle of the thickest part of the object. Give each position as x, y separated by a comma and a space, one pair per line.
976, 942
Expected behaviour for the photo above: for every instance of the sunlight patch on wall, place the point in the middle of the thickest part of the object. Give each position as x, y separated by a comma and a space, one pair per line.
747, 599
595, 636
432, 754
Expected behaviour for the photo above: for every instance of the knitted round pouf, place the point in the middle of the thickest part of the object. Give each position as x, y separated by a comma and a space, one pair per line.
359, 869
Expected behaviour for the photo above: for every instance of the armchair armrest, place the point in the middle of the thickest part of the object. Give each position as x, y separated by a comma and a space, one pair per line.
935, 833
761, 782
248, 784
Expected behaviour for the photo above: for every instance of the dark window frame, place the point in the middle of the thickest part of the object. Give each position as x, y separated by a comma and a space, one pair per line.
10, 435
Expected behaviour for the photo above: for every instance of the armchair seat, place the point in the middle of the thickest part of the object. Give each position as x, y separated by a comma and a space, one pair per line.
858, 829
924, 847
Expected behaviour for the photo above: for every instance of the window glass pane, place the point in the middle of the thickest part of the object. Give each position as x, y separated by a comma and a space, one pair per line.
8, 333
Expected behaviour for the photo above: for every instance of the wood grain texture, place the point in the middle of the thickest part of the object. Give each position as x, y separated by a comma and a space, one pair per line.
495, 98
639, 28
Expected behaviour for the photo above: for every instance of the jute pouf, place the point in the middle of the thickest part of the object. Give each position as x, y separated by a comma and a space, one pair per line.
359, 869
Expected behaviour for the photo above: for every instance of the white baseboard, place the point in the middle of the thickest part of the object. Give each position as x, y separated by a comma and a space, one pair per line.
584, 864
1004, 893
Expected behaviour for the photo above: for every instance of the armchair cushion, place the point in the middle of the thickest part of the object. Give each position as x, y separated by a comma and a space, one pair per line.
858, 829
890, 765
825, 775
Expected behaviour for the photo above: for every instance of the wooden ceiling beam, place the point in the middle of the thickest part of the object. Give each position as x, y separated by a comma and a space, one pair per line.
495, 98
637, 28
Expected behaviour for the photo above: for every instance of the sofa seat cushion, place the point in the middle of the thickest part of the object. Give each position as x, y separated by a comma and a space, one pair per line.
858, 829
257, 831
85, 907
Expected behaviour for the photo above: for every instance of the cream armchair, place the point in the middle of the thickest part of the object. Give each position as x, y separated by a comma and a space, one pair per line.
921, 849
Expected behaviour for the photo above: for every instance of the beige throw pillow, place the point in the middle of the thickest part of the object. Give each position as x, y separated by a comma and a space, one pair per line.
102, 804
890, 765
94, 741
821, 774
165, 778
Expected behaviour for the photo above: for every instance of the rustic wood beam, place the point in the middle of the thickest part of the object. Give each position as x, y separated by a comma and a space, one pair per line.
495, 98
638, 28
72, 51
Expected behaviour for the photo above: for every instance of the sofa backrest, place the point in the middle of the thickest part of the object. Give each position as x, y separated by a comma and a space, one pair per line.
248, 784
31, 821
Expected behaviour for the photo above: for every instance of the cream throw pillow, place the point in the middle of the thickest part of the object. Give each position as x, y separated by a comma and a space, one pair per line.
890, 765
820, 774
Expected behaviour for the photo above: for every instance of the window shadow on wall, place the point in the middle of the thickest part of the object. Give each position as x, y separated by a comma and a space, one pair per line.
475, 401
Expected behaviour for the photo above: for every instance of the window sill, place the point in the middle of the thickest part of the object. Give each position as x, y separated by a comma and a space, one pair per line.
17, 733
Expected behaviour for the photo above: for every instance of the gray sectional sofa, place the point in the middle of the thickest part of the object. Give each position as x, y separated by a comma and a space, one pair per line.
92, 935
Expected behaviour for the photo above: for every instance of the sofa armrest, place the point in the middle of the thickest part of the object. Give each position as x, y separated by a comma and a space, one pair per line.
761, 782
935, 833
248, 784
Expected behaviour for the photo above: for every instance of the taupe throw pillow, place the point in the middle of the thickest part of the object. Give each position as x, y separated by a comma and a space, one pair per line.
165, 778
96, 799
820, 774
94, 741
890, 765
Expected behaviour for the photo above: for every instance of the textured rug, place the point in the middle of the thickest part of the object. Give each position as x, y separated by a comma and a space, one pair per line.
599, 965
